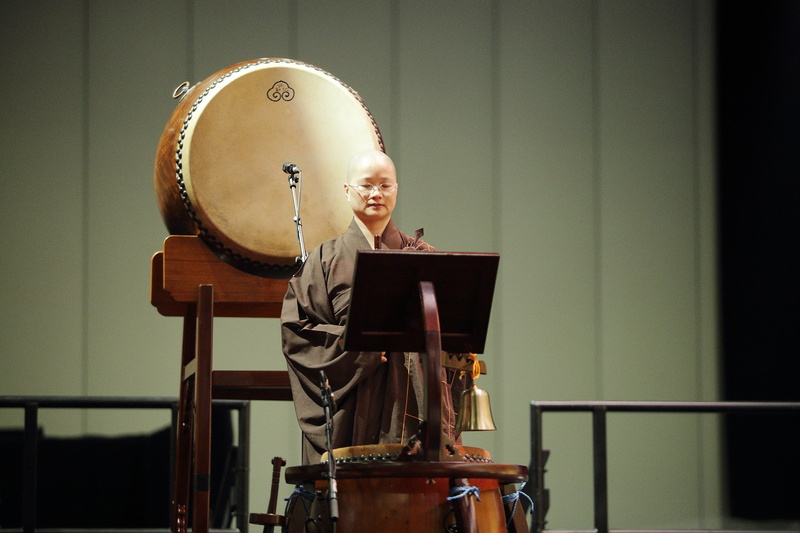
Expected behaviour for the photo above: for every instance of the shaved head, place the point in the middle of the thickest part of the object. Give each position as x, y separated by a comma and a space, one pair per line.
366, 160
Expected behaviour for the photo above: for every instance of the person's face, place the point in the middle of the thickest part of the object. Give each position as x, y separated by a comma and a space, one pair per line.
372, 189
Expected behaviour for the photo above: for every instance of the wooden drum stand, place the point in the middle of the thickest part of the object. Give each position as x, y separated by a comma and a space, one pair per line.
189, 280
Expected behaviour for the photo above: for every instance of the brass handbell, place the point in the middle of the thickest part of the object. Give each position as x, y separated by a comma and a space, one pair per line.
475, 411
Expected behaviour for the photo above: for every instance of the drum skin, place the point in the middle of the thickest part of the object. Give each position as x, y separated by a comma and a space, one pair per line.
218, 169
368, 453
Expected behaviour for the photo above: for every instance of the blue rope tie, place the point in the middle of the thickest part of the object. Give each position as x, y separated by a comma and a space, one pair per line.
460, 492
304, 496
300, 492
514, 498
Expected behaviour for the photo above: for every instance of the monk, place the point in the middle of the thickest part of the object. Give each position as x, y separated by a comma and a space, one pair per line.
378, 395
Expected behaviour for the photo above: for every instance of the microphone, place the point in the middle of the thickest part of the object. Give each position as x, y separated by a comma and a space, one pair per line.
327, 394
291, 168
329, 407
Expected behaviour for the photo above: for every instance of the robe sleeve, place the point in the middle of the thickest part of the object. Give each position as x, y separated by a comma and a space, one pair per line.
311, 333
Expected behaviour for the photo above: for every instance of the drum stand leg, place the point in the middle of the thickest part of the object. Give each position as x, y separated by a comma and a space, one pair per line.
193, 439
202, 410
185, 429
464, 509
514, 512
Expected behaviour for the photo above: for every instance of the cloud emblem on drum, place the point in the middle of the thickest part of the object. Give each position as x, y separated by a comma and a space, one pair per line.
280, 90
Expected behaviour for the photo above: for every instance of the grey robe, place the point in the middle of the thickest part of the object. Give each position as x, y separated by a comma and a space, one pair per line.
376, 402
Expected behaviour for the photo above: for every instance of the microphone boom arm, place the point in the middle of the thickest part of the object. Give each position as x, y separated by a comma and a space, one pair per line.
295, 177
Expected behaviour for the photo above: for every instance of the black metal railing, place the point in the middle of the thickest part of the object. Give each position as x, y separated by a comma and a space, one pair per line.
33, 404
535, 487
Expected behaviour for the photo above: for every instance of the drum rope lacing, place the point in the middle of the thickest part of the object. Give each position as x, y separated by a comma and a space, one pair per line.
514, 498
204, 232
456, 493
299, 492
306, 498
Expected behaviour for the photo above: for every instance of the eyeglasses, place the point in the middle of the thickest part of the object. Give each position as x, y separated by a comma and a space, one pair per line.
366, 188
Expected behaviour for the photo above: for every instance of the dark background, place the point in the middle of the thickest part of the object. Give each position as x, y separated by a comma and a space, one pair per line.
759, 166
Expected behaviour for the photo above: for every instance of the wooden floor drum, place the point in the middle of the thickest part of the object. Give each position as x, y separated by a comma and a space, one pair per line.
218, 169
379, 492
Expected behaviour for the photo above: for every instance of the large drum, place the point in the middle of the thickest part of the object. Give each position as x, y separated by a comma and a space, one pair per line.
219, 165
378, 490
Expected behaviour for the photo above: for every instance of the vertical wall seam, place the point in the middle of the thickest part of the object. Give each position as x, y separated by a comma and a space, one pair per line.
190, 44
294, 30
85, 134
497, 190
394, 76
496, 122
698, 271
596, 202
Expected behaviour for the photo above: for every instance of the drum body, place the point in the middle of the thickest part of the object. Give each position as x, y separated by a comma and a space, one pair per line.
376, 492
396, 505
218, 169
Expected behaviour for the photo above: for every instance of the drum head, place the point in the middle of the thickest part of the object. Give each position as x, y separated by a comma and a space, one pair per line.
391, 452
225, 148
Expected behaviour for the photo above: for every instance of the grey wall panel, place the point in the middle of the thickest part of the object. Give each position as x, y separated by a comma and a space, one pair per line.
575, 138
445, 126
42, 188
546, 183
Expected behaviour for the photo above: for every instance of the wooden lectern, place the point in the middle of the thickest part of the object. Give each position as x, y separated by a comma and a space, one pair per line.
189, 280
422, 302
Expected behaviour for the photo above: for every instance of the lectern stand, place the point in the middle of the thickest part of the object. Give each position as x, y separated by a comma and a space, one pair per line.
422, 302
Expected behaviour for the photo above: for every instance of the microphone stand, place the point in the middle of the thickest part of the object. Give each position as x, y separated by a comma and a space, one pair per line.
295, 177
329, 406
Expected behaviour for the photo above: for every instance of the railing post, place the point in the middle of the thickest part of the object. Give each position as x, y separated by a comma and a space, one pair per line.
30, 468
535, 485
243, 469
600, 455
